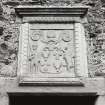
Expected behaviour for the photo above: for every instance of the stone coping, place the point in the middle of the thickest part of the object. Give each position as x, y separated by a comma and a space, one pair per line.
55, 10
38, 6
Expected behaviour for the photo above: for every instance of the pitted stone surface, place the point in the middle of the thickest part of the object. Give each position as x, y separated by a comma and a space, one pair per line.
9, 32
9, 38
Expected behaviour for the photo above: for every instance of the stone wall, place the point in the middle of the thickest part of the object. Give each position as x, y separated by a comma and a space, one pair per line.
9, 34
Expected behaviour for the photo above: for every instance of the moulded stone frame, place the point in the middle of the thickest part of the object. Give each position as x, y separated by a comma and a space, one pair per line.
29, 15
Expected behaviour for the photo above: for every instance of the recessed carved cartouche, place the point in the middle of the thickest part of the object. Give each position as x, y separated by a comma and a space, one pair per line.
51, 52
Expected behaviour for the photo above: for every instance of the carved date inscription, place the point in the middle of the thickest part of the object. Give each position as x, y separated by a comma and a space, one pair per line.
51, 53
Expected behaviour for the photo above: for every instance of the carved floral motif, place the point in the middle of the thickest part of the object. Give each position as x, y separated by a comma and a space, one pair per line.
36, 35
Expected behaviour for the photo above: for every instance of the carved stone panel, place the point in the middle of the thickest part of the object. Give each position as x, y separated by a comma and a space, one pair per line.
51, 52
52, 45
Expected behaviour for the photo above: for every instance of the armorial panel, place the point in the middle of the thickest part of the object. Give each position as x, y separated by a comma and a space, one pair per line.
52, 45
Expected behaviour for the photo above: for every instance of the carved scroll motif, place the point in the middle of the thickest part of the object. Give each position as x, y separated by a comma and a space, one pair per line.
51, 52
